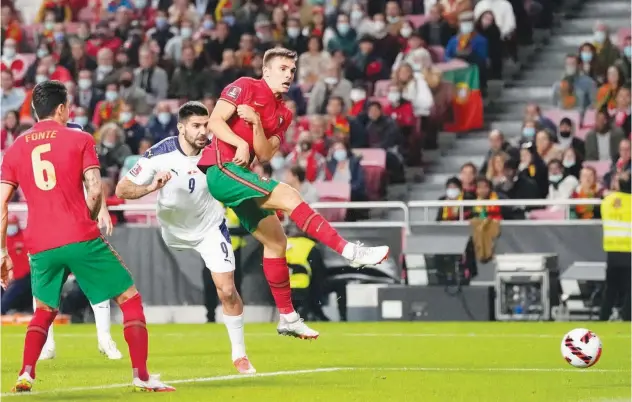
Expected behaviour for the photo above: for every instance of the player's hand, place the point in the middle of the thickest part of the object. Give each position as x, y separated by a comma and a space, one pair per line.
248, 114
160, 179
7, 271
105, 221
242, 155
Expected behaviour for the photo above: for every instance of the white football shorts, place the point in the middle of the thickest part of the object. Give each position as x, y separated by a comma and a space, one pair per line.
215, 248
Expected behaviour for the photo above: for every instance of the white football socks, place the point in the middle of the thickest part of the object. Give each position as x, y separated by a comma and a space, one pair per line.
102, 320
50, 339
290, 317
235, 326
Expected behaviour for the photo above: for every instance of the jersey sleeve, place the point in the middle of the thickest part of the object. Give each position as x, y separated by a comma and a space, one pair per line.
90, 158
238, 92
8, 170
143, 171
285, 124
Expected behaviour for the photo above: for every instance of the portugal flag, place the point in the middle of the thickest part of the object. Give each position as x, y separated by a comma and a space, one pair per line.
468, 101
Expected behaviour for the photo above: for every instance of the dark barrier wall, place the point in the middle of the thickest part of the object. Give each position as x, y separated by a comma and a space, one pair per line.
168, 277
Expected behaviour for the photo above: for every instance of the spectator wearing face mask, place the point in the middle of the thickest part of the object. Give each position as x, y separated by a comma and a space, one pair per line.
332, 84
11, 98
134, 133
451, 9
163, 123
263, 33
81, 118
112, 150
607, 52
17, 296
105, 72
359, 20
343, 166
318, 129
453, 192
312, 64
162, 32
61, 49
342, 37
619, 167
387, 44
88, 96
572, 162
108, 109
561, 186
132, 94
588, 61
401, 111
78, 59
607, 93
469, 46
12, 61
518, 186
187, 82
529, 128
414, 54
367, 65
279, 166
623, 63
151, 78
621, 117
294, 38
436, 31
393, 16
566, 138
173, 48
588, 188
585, 87
307, 158
533, 112
603, 141
26, 111
358, 99
532, 167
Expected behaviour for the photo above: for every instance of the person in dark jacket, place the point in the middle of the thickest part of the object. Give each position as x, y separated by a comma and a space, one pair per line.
566, 138
517, 187
533, 167
486, 26
498, 143
436, 31
454, 192
134, 132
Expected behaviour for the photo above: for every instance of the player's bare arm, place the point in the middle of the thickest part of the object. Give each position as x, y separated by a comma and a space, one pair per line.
222, 112
6, 194
128, 190
104, 220
94, 191
264, 148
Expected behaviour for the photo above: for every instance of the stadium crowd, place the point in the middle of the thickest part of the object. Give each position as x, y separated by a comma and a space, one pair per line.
369, 78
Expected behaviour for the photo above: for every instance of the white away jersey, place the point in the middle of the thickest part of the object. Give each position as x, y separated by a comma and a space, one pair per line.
185, 207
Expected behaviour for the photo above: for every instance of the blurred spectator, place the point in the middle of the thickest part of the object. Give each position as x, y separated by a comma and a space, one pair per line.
295, 39
442, 111
467, 176
436, 31
81, 118
498, 143
603, 141
623, 63
572, 162
619, 167
59, 8
41, 76
359, 20
567, 139
163, 123
393, 14
307, 158
12, 61
503, 15
343, 37
279, 24
182, 10
415, 55
607, 52
387, 45
495, 172
367, 64
132, 94
453, 192
331, 84
42, 50
546, 148
71, 89
343, 166
187, 82
134, 132
222, 40
533, 112
339, 126
452, 9
11, 27
296, 178
18, 294
529, 128
87, 95
588, 188
9, 129
414, 89
109, 108
11, 98
105, 73
622, 112
78, 59
318, 128
228, 71
112, 150
532, 166
291, 134
123, 21
561, 185
162, 31
402, 112
245, 52
279, 166
149, 77
486, 26
263, 32
519, 186
607, 93
61, 49
584, 88
469, 46
484, 191
102, 38
568, 97
588, 60
175, 45
358, 99
55, 70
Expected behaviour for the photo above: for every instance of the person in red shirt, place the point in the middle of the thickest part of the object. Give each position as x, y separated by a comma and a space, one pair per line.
103, 38
358, 97
62, 235
250, 119
18, 293
402, 112
305, 156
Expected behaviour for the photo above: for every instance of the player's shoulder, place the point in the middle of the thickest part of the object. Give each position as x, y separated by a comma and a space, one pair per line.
164, 147
245, 82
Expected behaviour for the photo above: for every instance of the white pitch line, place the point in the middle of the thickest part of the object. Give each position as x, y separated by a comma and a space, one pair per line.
328, 370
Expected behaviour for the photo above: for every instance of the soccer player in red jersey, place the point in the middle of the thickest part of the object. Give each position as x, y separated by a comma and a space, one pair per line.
62, 236
250, 119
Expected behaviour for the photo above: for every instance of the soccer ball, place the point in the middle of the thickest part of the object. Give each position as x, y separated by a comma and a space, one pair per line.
581, 348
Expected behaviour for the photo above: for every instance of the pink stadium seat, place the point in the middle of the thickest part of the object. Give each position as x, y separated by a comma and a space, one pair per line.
547, 214
174, 104
374, 164
86, 14
371, 156
417, 20
437, 53
602, 167
29, 58
453, 64
556, 115
332, 191
582, 132
72, 28
147, 217
621, 35
589, 118
381, 88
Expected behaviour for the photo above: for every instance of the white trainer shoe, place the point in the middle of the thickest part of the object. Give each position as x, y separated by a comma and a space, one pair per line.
297, 329
152, 385
48, 352
244, 366
360, 256
109, 349
24, 383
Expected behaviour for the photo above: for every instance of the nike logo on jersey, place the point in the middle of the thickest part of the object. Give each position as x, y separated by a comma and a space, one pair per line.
174, 172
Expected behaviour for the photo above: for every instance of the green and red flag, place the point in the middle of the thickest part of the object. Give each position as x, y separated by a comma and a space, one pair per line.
468, 100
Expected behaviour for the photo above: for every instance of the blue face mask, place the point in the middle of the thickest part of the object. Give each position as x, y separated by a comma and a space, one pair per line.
59, 36
586, 57
81, 120
627, 51
161, 22
208, 24
528, 132
343, 28
340, 155
229, 19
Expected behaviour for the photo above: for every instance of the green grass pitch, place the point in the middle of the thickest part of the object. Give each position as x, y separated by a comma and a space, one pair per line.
355, 362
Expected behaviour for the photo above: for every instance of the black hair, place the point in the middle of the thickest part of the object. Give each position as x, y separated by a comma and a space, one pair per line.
483, 179
47, 96
454, 180
299, 172
470, 165
339, 99
193, 108
555, 162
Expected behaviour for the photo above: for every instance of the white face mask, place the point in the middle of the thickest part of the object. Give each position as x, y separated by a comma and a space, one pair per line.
331, 80
452, 193
186, 32
84, 84
357, 95
406, 31
466, 27
105, 69
379, 26
164, 118
81, 120
356, 16
111, 96
8, 52
393, 97
40, 78
125, 117
293, 32
600, 36
12, 230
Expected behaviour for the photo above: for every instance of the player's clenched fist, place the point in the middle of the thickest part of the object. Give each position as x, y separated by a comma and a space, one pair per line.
160, 179
7, 271
248, 114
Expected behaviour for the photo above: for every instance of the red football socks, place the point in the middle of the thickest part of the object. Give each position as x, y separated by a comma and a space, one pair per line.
317, 227
135, 331
278, 276
36, 335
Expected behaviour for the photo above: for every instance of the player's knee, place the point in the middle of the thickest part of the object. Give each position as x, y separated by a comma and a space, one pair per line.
276, 246
125, 296
227, 293
289, 196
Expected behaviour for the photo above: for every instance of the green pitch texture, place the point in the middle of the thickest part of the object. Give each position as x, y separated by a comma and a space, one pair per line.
416, 362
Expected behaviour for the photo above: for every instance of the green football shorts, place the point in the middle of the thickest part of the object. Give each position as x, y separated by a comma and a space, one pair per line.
238, 188
98, 269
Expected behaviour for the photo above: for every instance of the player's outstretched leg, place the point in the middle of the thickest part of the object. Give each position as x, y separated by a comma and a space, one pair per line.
36, 335
233, 309
270, 233
288, 200
106, 344
48, 351
135, 332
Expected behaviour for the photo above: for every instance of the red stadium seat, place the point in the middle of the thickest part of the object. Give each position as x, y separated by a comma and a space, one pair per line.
374, 164
417, 20
332, 191
72, 28
381, 88
556, 115
547, 214
147, 217
589, 118
437, 53
602, 167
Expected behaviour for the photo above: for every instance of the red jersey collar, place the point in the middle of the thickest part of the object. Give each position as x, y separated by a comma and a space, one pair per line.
278, 98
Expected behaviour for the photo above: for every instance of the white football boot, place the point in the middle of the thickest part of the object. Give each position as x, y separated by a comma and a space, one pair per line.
360, 256
48, 351
152, 385
297, 328
107, 346
244, 366
24, 383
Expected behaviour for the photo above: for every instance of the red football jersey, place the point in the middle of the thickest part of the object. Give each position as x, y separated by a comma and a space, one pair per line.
275, 118
48, 162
